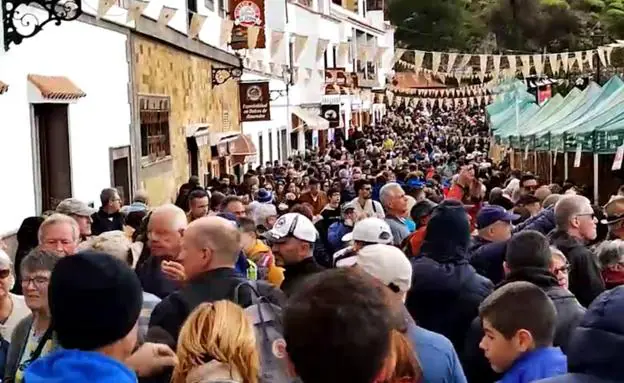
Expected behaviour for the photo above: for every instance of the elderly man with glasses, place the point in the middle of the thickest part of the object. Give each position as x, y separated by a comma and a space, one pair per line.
576, 227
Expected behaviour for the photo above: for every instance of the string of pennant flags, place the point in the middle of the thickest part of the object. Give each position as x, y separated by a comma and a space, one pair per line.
464, 91
442, 103
461, 65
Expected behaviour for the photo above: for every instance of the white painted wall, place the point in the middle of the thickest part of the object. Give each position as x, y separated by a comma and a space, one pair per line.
95, 60
279, 120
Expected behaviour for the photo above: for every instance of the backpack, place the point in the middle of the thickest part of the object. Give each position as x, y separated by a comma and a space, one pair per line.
267, 321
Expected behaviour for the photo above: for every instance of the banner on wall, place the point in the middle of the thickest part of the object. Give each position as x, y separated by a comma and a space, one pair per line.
255, 101
331, 112
246, 14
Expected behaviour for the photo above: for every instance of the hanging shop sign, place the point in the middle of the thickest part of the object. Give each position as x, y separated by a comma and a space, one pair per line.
246, 14
331, 112
255, 101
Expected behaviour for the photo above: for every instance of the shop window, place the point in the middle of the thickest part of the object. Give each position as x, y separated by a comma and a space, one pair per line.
261, 145
154, 115
375, 5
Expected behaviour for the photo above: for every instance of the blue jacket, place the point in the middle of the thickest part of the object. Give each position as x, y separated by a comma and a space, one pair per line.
540, 363
334, 236
71, 366
596, 349
437, 357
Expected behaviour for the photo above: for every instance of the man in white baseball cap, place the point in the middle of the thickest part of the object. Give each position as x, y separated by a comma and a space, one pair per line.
368, 231
389, 265
386, 263
292, 241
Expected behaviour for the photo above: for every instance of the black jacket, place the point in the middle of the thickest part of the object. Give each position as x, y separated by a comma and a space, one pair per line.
212, 286
488, 257
569, 315
295, 274
596, 347
446, 291
103, 222
586, 281
153, 281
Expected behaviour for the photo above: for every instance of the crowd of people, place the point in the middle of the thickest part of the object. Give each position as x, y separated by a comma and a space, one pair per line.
403, 254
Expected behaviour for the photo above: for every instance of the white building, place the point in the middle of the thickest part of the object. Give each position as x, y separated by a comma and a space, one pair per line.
306, 41
64, 118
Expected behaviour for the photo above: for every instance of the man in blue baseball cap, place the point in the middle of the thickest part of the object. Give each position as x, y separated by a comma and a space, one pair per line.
494, 223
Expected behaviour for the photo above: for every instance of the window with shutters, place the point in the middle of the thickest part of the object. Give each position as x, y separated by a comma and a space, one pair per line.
154, 115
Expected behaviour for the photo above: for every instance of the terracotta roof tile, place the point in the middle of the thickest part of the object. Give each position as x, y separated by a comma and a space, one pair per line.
415, 81
56, 87
3, 87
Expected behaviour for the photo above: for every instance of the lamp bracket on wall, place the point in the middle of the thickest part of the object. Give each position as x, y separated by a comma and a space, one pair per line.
25, 18
276, 94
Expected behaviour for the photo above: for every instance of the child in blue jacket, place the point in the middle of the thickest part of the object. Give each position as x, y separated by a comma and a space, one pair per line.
519, 324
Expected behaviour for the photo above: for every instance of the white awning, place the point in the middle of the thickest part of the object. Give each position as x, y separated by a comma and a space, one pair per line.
200, 132
310, 121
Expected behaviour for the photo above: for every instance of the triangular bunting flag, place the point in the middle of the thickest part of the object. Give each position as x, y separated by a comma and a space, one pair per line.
166, 14
526, 65
589, 57
483, 59
103, 7
253, 32
565, 61
398, 53
451, 61
496, 60
418, 59
511, 60
601, 56
608, 51
321, 47
135, 10
197, 22
554, 63
578, 56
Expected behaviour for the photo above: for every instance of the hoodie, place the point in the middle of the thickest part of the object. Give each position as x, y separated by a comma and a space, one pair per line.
70, 366
446, 291
596, 348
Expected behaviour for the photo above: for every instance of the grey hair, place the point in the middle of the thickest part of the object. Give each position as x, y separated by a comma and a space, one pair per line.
567, 207
177, 217
558, 253
56, 219
384, 192
263, 211
610, 252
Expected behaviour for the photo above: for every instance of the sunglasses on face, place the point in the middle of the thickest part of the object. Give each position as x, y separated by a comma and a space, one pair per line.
5, 273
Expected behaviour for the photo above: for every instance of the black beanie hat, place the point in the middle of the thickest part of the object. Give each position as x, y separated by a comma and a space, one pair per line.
95, 300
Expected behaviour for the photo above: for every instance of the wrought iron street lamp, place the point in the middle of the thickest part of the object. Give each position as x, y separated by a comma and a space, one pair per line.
23, 19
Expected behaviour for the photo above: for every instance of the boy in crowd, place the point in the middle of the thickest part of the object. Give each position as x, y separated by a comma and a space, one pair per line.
519, 324
258, 252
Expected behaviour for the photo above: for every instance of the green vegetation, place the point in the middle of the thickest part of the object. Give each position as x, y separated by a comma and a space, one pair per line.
507, 26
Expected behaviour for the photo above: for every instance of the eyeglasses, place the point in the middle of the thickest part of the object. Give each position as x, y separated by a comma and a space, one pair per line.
591, 215
38, 281
565, 269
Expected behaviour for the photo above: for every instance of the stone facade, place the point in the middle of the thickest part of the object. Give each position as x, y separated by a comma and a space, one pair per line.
186, 78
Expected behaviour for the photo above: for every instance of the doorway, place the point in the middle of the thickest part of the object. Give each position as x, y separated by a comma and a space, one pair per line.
51, 131
284, 146
121, 172
193, 156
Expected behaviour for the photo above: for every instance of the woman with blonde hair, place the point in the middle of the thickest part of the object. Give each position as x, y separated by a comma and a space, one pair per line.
217, 344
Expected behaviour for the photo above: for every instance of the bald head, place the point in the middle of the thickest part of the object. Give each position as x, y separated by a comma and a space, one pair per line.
217, 234
568, 207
